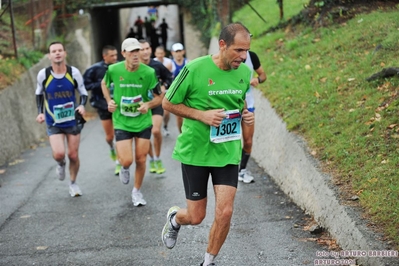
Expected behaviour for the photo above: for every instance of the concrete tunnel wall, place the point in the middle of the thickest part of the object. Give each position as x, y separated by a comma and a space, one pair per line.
110, 26
105, 30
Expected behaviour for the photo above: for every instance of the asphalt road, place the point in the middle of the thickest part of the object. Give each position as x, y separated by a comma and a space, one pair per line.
40, 224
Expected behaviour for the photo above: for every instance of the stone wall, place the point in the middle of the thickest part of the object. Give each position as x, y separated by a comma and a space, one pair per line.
18, 113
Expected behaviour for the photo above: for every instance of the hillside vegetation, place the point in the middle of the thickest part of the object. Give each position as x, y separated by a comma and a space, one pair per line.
317, 84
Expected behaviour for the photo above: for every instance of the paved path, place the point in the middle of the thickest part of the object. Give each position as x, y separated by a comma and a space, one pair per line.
40, 224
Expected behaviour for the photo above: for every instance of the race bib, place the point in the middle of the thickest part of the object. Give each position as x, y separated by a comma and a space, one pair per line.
229, 129
129, 105
64, 112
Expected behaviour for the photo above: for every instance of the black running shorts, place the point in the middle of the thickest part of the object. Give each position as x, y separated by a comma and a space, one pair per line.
157, 110
195, 179
104, 114
123, 135
74, 130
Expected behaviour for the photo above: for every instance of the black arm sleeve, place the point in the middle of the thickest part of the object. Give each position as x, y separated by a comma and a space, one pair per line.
255, 60
157, 89
83, 100
39, 103
166, 76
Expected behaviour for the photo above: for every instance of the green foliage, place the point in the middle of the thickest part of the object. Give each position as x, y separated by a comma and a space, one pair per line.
316, 82
205, 12
28, 58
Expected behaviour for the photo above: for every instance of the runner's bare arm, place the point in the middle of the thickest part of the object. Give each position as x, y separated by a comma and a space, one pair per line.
107, 96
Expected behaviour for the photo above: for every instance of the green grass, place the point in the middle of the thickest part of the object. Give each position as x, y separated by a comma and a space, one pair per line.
316, 82
268, 11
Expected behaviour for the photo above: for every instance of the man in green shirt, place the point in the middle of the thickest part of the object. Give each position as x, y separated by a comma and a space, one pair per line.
209, 93
130, 106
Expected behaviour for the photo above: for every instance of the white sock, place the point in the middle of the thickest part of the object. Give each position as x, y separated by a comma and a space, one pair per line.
174, 223
135, 190
208, 259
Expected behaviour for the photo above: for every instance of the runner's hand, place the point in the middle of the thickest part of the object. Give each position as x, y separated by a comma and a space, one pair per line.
112, 106
40, 118
81, 110
248, 117
143, 108
213, 117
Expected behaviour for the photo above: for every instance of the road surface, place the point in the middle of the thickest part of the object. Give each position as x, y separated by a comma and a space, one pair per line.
40, 224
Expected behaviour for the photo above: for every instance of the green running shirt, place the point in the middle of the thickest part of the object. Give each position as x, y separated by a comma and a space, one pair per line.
129, 89
204, 86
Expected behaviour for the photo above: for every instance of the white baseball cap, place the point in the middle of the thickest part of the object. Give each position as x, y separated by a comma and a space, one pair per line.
130, 44
177, 47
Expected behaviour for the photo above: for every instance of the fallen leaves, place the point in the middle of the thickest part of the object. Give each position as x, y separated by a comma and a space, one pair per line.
17, 161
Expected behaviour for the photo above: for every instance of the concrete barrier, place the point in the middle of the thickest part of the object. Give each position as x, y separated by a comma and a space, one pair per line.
18, 113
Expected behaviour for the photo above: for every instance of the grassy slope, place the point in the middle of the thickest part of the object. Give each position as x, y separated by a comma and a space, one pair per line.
316, 82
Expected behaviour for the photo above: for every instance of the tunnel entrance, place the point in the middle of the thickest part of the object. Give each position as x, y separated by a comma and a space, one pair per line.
111, 23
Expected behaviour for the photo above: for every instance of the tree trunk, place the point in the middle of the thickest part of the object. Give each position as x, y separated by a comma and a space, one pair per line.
280, 5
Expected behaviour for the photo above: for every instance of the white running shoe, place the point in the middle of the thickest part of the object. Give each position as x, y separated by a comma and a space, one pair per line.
74, 190
137, 199
124, 176
245, 176
60, 170
169, 232
165, 132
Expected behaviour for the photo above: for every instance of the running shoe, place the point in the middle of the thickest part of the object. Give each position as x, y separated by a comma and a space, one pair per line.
165, 131
245, 176
153, 167
74, 190
212, 264
124, 176
60, 170
160, 169
137, 199
169, 232
117, 169
112, 155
